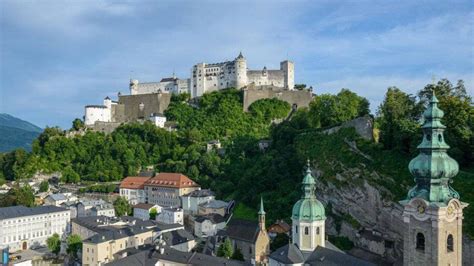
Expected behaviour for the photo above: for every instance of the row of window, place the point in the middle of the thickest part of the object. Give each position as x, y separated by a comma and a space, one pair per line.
306, 230
27, 236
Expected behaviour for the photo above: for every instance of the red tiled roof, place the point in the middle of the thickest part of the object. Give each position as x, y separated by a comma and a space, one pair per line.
175, 180
134, 182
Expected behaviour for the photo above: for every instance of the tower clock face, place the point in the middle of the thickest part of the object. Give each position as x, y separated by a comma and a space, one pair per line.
420, 209
450, 211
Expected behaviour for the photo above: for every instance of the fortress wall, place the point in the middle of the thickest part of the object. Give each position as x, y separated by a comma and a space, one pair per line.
254, 93
154, 103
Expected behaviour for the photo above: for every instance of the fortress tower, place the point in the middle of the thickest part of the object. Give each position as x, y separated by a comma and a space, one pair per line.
308, 217
288, 69
240, 71
433, 212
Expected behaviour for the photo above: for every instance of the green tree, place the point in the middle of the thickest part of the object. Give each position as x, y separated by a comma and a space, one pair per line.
153, 213
329, 110
74, 245
122, 207
54, 244
69, 175
238, 255
44, 186
225, 249
300, 86
397, 118
77, 124
23, 195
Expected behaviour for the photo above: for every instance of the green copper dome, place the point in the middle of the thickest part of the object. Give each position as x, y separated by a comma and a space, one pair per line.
433, 168
308, 208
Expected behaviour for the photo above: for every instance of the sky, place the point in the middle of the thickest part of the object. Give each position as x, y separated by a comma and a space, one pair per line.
58, 56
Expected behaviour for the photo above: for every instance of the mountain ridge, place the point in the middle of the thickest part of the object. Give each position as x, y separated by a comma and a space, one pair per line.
16, 133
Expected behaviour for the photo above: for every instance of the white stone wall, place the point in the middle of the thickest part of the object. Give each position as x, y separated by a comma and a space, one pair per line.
97, 113
314, 238
158, 120
33, 230
191, 204
168, 216
104, 212
133, 196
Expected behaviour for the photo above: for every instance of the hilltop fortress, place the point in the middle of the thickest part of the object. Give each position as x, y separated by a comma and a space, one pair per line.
148, 100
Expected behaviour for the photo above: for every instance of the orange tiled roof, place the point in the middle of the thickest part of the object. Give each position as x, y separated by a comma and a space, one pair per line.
175, 180
134, 182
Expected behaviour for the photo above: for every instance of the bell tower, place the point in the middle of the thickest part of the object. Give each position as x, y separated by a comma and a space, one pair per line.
308, 217
432, 211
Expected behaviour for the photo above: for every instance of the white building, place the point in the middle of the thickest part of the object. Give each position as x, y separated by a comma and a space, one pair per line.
191, 201
22, 227
55, 199
208, 225
217, 76
90, 207
105, 209
158, 120
99, 113
142, 210
171, 216
132, 188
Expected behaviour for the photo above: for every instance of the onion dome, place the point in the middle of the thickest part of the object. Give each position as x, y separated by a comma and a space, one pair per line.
433, 168
308, 208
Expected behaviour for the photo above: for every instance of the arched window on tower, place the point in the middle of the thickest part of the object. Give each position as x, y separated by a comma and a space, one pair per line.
317, 230
296, 229
420, 242
450, 243
306, 230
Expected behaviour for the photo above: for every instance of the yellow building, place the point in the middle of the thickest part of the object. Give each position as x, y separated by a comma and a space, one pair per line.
100, 248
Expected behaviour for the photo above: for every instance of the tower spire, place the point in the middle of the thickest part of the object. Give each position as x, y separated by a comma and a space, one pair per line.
433, 168
261, 216
261, 211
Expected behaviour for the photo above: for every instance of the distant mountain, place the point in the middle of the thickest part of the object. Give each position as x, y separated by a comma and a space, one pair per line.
16, 133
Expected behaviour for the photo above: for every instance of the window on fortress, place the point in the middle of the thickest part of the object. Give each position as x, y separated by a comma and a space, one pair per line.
450, 243
420, 242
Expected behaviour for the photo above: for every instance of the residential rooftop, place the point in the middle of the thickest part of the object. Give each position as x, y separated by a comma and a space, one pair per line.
21, 211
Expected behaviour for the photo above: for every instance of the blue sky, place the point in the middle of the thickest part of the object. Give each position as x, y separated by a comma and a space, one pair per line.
57, 56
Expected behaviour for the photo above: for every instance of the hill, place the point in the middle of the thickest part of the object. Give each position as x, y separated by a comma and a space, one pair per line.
16, 133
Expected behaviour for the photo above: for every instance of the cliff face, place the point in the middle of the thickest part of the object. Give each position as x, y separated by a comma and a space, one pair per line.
359, 211
361, 198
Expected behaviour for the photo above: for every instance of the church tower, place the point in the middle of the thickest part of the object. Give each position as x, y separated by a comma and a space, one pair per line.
432, 211
308, 217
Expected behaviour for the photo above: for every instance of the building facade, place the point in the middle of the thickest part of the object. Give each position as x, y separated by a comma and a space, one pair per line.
217, 76
132, 188
308, 217
22, 228
92, 207
101, 248
171, 216
191, 201
433, 212
142, 210
166, 189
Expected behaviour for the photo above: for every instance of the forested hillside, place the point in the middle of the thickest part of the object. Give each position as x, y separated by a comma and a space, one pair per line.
245, 173
16, 133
